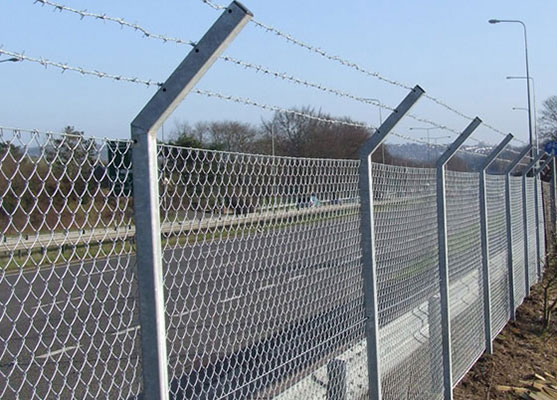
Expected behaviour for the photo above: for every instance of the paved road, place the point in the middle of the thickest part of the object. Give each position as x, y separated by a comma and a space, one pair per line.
241, 312
72, 330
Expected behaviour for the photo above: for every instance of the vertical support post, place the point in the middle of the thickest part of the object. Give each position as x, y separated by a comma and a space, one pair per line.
485, 240
539, 207
444, 254
510, 261
525, 222
367, 228
146, 192
537, 224
553, 196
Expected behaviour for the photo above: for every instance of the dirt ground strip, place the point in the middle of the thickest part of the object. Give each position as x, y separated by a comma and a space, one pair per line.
520, 351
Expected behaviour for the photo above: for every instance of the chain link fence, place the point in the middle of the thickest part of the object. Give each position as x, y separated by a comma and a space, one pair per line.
262, 272
68, 316
407, 282
517, 222
465, 271
541, 226
531, 231
498, 257
256, 245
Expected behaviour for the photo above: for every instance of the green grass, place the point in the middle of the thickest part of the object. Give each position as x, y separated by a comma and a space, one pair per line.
37, 257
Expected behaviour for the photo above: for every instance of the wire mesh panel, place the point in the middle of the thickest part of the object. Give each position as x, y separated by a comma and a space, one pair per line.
532, 245
465, 270
262, 275
518, 239
68, 320
497, 235
410, 348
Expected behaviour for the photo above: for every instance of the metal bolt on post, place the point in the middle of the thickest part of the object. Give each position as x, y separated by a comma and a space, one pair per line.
369, 267
508, 213
485, 240
444, 255
146, 192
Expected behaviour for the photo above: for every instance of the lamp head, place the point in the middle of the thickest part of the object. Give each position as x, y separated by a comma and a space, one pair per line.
12, 59
493, 21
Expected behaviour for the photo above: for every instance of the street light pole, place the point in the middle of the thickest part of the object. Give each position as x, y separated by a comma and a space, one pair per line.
427, 138
380, 123
534, 104
497, 21
274, 169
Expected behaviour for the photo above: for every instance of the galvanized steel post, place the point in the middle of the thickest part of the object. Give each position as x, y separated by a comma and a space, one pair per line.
444, 255
539, 207
525, 222
485, 240
510, 260
553, 197
369, 267
146, 192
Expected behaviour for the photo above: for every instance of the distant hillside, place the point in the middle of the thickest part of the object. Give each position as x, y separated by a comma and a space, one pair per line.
472, 155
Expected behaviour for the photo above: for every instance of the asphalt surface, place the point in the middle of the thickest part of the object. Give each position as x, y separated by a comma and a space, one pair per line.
72, 330
244, 313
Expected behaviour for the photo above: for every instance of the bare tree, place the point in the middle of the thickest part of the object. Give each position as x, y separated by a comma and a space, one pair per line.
300, 136
291, 131
191, 136
232, 135
548, 119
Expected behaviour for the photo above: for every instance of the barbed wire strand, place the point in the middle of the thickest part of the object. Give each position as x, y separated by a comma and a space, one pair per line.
337, 92
65, 67
267, 107
258, 68
18, 131
120, 21
279, 75
289, 38
284, 76
246, 101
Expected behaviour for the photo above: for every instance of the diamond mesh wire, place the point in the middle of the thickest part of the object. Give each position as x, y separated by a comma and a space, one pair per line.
262, 274
498, 261
517, 222
532, 245
408, 282
465, 270
68, 320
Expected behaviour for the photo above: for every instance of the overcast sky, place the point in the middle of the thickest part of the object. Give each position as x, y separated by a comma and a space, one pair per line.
448, 48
